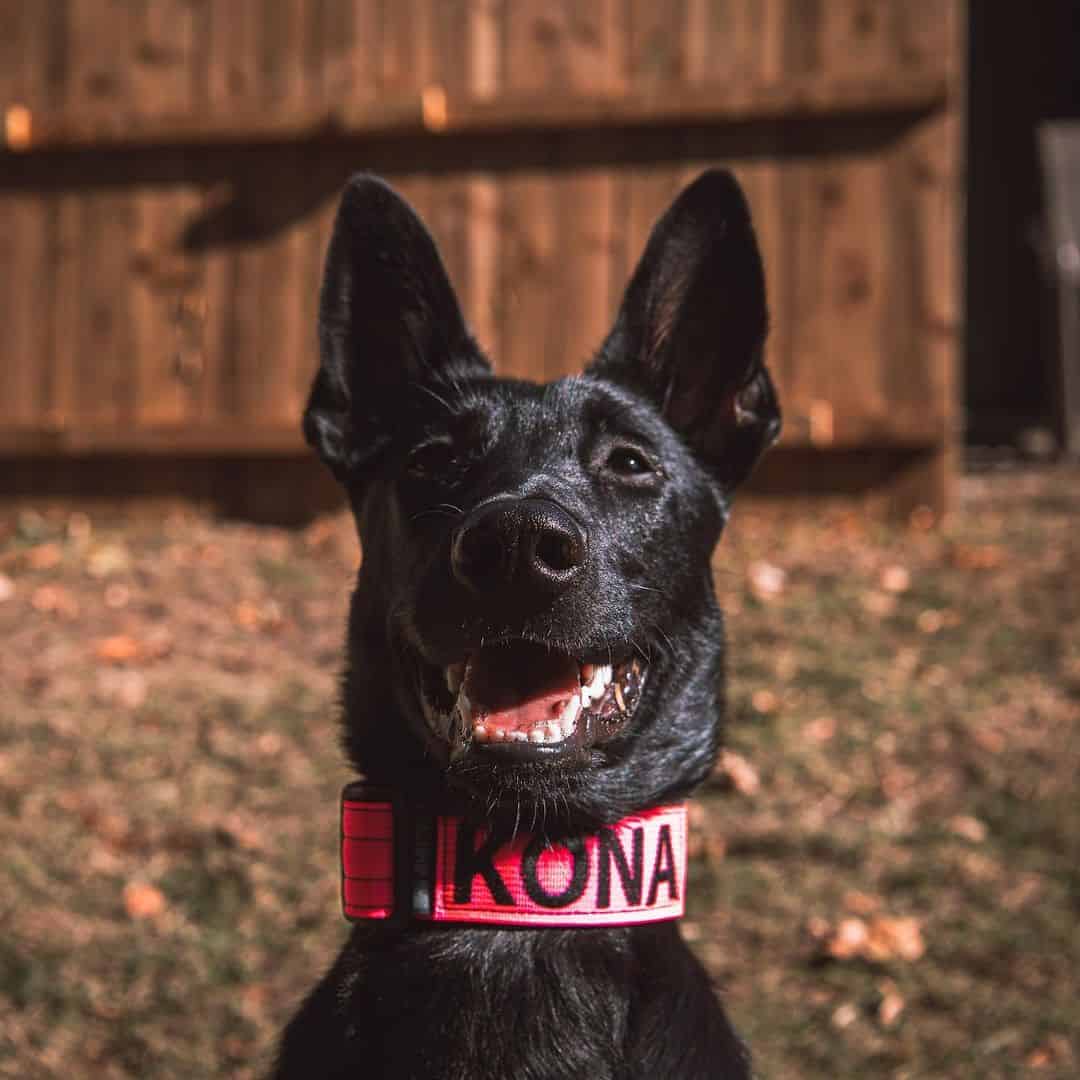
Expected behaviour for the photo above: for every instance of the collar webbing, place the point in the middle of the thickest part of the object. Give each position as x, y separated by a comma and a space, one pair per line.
401, 863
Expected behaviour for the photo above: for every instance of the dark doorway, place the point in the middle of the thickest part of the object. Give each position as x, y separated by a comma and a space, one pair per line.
1024, 69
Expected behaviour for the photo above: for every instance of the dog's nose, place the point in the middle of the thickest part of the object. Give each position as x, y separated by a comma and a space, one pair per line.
527, 542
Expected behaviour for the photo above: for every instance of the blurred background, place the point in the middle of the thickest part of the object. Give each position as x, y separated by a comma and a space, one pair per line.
886, 861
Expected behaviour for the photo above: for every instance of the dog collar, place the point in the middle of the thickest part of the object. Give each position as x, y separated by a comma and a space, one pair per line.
401, 863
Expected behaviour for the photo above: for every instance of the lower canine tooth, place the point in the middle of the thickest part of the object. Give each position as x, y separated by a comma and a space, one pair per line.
570, 713
537, 735
519, 736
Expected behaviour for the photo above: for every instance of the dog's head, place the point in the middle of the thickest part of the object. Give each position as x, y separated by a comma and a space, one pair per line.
534, 624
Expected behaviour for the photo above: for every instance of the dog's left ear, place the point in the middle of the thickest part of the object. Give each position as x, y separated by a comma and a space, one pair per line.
389, 324
691, 329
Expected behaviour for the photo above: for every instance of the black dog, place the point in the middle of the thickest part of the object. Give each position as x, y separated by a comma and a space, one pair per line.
521, 541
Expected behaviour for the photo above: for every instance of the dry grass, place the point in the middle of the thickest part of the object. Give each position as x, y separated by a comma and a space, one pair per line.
906, 720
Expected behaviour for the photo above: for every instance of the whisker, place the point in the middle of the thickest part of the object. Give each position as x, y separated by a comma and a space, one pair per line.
671, 647
431, 393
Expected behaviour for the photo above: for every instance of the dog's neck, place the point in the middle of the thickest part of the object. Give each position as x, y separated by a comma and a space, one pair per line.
404, 863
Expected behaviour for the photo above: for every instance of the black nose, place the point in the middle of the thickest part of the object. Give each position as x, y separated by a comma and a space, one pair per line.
531, 543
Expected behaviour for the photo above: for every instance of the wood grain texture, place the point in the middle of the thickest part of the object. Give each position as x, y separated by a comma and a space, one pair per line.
168, 278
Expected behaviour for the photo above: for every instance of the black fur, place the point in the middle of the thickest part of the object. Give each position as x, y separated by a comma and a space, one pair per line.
407, 413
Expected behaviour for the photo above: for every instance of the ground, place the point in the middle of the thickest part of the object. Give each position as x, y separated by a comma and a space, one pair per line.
886, 874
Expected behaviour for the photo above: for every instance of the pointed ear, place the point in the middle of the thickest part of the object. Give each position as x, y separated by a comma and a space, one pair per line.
389, 323
691, 330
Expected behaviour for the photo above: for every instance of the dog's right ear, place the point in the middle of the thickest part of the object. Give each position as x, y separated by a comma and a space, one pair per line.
389, 324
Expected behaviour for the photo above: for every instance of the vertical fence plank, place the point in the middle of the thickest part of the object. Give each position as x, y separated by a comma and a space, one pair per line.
98, 81
165, 283
596, 62
528, 205
25, 228
482, 239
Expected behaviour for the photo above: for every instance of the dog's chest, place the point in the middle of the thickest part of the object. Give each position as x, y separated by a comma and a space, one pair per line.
481, 1003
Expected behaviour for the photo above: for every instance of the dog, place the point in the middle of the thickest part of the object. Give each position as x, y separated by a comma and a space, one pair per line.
534, 656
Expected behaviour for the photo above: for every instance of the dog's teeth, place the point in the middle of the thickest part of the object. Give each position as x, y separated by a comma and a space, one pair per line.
480, 732
587, 671
586, 697
555, 733
537, 735
599, 681
519, 736
570, 713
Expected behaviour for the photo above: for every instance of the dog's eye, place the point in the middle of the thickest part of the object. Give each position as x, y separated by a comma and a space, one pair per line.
432, 458
628, 461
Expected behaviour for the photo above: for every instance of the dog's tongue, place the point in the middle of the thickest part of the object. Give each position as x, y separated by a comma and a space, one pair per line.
515, 687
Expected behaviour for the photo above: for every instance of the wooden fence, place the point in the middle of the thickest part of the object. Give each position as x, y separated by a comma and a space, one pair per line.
170, 168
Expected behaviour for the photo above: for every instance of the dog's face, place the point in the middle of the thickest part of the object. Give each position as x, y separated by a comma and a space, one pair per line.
534, 625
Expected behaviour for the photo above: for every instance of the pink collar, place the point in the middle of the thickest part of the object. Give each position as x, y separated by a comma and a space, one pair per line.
398, 863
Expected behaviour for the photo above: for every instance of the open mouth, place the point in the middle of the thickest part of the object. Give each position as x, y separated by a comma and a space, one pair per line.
528, 700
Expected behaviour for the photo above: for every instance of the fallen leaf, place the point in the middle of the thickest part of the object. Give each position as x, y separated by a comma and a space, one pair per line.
848, 940
990, 739
881, 939
142, 900
878, 603
108, 559
819, 730
1029, 888
44, 556
764, 701
891, 1005
253, 998
976, 556
845, 1015
79, 527
896, 579
766, 581
117, 596
246, 614
118, 649
269, 743
126, 688
739, 772
54, 600
895, 937
970, 828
